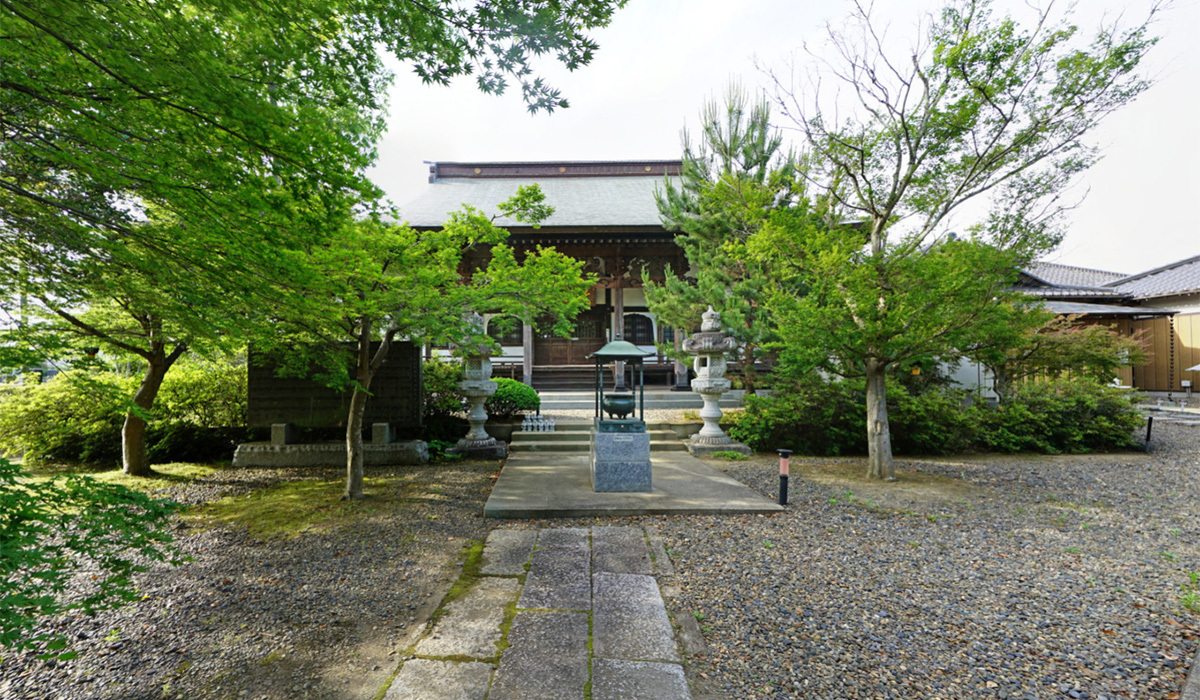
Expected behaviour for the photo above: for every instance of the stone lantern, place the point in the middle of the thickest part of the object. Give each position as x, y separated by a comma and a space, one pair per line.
477, 386
709, 347
620, 454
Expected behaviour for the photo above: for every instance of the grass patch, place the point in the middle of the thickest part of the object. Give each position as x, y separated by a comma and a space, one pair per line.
166, 475
294, 508
731, 456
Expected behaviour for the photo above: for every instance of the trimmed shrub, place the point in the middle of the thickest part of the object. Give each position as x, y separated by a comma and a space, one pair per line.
1059, 416
810, 417
829, 418
511, 398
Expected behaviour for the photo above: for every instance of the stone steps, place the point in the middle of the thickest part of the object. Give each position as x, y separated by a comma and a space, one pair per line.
577, 440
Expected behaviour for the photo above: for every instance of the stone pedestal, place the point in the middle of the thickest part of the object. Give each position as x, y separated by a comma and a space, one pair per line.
478, 386
381, 433
621, 462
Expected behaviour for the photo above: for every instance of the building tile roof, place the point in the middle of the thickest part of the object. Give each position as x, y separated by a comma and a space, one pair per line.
1180, 277
583, 193
1071, 276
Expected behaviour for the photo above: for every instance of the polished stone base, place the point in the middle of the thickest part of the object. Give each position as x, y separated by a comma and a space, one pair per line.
620, 462
480, 449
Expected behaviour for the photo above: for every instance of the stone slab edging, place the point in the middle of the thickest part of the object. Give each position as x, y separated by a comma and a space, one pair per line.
1191, 687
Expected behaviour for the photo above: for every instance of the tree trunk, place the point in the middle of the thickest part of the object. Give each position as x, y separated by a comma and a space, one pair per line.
135, 461
354, 446
880, 464
749, 375
365, 368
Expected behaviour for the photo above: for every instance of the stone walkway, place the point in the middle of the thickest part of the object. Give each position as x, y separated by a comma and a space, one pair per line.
554, 613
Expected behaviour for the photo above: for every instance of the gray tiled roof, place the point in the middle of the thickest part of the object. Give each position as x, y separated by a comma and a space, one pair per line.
1070, 276
1074, 307
577, 201
1182, 277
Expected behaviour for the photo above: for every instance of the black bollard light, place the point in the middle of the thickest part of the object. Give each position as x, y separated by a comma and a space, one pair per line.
783, 475
1149, 427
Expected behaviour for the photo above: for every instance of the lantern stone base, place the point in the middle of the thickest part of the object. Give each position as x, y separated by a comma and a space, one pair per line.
479, 449
703, 447
620, 462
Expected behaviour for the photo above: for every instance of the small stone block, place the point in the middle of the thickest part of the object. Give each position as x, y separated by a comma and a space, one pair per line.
620, 550
283, 434
547, 658
422, 679
381, 433
614, 679
507, 551
471, 625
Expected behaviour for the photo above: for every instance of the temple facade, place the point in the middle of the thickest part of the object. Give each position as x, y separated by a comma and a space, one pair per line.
605, 215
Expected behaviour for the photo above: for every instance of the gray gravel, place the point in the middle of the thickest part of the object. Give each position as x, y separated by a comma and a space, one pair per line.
316, 616
1027, 577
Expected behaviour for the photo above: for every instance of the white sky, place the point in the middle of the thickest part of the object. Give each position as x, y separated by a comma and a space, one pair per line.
661, 60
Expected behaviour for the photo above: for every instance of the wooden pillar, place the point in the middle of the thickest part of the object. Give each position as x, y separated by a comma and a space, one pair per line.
619, 330
527, 358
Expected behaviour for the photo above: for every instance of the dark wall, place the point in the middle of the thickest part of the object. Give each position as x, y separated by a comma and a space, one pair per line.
395, 394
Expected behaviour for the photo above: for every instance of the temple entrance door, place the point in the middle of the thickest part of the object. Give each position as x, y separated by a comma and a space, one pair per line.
590, 334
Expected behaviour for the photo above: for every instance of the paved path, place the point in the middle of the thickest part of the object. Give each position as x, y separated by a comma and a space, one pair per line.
554, 612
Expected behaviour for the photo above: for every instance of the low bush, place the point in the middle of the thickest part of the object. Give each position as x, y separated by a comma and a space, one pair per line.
441, 395
829, 418
71, 418
199, 415
1058, 416
511, 398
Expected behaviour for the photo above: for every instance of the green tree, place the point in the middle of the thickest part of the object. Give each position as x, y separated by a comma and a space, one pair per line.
730, 182
983, 107
384, 281
1059, 346
160, 162
51, 530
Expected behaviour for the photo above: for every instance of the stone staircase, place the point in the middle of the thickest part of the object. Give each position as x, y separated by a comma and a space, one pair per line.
575, 437
656, 399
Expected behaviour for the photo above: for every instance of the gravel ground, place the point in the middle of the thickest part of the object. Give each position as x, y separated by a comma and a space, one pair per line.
978, 577
1038, 577
315, 616
1024, 577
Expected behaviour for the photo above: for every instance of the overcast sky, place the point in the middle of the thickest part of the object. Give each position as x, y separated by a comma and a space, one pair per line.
661, 60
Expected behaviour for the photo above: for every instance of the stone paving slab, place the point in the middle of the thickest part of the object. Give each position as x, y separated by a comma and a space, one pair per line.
613, 679
558, 578
629, 620
547, 659
423, 679
620, 550
471, 626
557, 485
560, 537
507, 551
